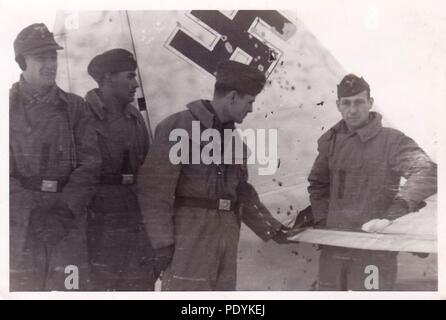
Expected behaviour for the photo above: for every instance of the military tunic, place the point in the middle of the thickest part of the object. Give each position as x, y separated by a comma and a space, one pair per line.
355, 178
119, 251
206, 240
54, 159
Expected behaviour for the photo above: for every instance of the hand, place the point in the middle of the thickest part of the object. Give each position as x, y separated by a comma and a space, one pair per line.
375, 225
422, 255
398, 209
281, 235
419, 206
163, 258
304, 218
302, 221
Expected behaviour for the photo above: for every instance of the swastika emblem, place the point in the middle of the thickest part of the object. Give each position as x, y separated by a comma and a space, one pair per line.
230, 35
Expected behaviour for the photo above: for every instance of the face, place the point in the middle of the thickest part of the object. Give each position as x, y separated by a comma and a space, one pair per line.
41, 68
240, 106
355, 109
124, 85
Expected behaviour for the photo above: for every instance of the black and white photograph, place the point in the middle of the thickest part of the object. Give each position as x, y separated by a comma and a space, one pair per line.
196, 150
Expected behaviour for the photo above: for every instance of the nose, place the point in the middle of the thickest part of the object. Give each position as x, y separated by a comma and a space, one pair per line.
135, 84
352, 110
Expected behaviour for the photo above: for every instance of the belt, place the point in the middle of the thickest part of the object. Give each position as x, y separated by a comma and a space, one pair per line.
206, 203
43, 184
118, 179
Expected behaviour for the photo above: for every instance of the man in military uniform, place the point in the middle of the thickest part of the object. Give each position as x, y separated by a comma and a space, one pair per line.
193, 211
53, 161
119, 251
355, 182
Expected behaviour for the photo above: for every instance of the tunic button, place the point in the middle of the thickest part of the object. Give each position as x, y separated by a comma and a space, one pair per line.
28, 130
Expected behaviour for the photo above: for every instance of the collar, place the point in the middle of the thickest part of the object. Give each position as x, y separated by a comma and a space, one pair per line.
20, 88
205, 113
202, 113
30, 95
365, 133
98, 106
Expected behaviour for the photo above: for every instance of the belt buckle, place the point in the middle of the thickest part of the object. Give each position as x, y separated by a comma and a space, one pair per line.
127, 178
224, 204
49, 185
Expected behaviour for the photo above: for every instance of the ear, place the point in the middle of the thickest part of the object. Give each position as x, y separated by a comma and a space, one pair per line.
22, 63
371, 101
107, 80
232, 96
337, 104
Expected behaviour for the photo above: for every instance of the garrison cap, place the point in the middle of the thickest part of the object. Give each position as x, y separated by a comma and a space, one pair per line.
352, 85
35, 38
240, 77
115, 60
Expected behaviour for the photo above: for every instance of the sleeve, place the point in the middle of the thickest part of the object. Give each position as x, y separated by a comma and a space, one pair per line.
20, 199
420, 172
319, 188
157, 183
15, 186
253, 213
14, 183
83, 180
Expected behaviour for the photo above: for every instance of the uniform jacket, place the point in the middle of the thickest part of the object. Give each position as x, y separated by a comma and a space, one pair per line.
117, 136
356, 176
161, 181
49, 140
53, 140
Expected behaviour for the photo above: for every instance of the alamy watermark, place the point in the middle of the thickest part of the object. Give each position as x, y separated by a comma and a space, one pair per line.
72, 279
371, 282
250, 146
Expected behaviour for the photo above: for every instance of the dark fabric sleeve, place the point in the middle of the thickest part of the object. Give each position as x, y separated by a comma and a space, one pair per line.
83, 180
410, 161
157, 183
319, 179
254, 214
